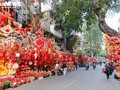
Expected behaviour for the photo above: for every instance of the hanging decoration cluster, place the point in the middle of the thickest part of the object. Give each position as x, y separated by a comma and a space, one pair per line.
113, 50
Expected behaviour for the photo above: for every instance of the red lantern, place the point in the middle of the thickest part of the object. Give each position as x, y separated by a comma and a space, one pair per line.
39, 42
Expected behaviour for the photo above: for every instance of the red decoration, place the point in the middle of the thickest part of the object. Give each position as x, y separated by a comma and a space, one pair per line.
76, 36
39, 42
3, 16
7, 30
114, 48
33, 1
12, 14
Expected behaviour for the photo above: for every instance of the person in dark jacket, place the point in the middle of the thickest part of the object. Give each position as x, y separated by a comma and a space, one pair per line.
108, 69
64, 67
75, 65
87, 65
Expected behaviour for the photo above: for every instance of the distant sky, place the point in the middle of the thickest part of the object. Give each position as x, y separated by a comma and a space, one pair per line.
46, 5
113, 20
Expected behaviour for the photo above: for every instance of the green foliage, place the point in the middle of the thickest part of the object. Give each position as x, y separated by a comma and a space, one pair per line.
81, 11
6, 85
71, 21
114, 6
73, 41
81, 52
93, 39
103, 53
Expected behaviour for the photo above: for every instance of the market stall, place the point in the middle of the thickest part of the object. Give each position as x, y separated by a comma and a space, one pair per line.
25, 55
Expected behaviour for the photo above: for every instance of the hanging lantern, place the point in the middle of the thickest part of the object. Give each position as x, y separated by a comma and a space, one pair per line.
39, 42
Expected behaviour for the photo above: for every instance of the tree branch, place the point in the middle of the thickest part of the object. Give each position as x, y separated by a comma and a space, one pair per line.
101, 19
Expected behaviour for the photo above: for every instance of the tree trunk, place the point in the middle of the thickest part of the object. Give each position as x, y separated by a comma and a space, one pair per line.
101, 19
91, 54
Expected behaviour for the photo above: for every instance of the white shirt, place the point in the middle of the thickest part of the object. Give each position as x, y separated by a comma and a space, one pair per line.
56, 66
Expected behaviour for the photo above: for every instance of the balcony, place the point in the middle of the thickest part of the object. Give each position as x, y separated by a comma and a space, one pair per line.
53, 31
46, 25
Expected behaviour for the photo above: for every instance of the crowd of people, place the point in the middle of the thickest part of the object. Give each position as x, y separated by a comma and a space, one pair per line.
61, 68
87, 64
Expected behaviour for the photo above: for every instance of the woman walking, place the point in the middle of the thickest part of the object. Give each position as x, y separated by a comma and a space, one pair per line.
108, 69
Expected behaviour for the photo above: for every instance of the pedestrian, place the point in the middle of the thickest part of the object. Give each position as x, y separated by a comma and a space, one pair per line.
87, 65
111, 67
100, 63
108, 69
64, 67
75, 65
60, 71
94, 65
117, 75
56, 68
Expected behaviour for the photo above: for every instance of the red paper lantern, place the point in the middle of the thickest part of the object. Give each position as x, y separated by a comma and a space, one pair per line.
39, 42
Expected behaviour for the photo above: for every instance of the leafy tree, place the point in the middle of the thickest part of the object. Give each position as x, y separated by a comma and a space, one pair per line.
79, 11
81, 52
103, 53
93, 40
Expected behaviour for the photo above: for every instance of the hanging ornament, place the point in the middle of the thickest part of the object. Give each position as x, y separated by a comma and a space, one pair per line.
15, 66
30, 63
17, 24
67, 12
6, 30
35, 55
17, 55
1, 24
35, 64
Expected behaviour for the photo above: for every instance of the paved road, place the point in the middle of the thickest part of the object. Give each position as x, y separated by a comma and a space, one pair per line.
76, 80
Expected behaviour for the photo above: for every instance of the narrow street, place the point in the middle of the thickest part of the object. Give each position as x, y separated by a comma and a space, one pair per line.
76, 80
